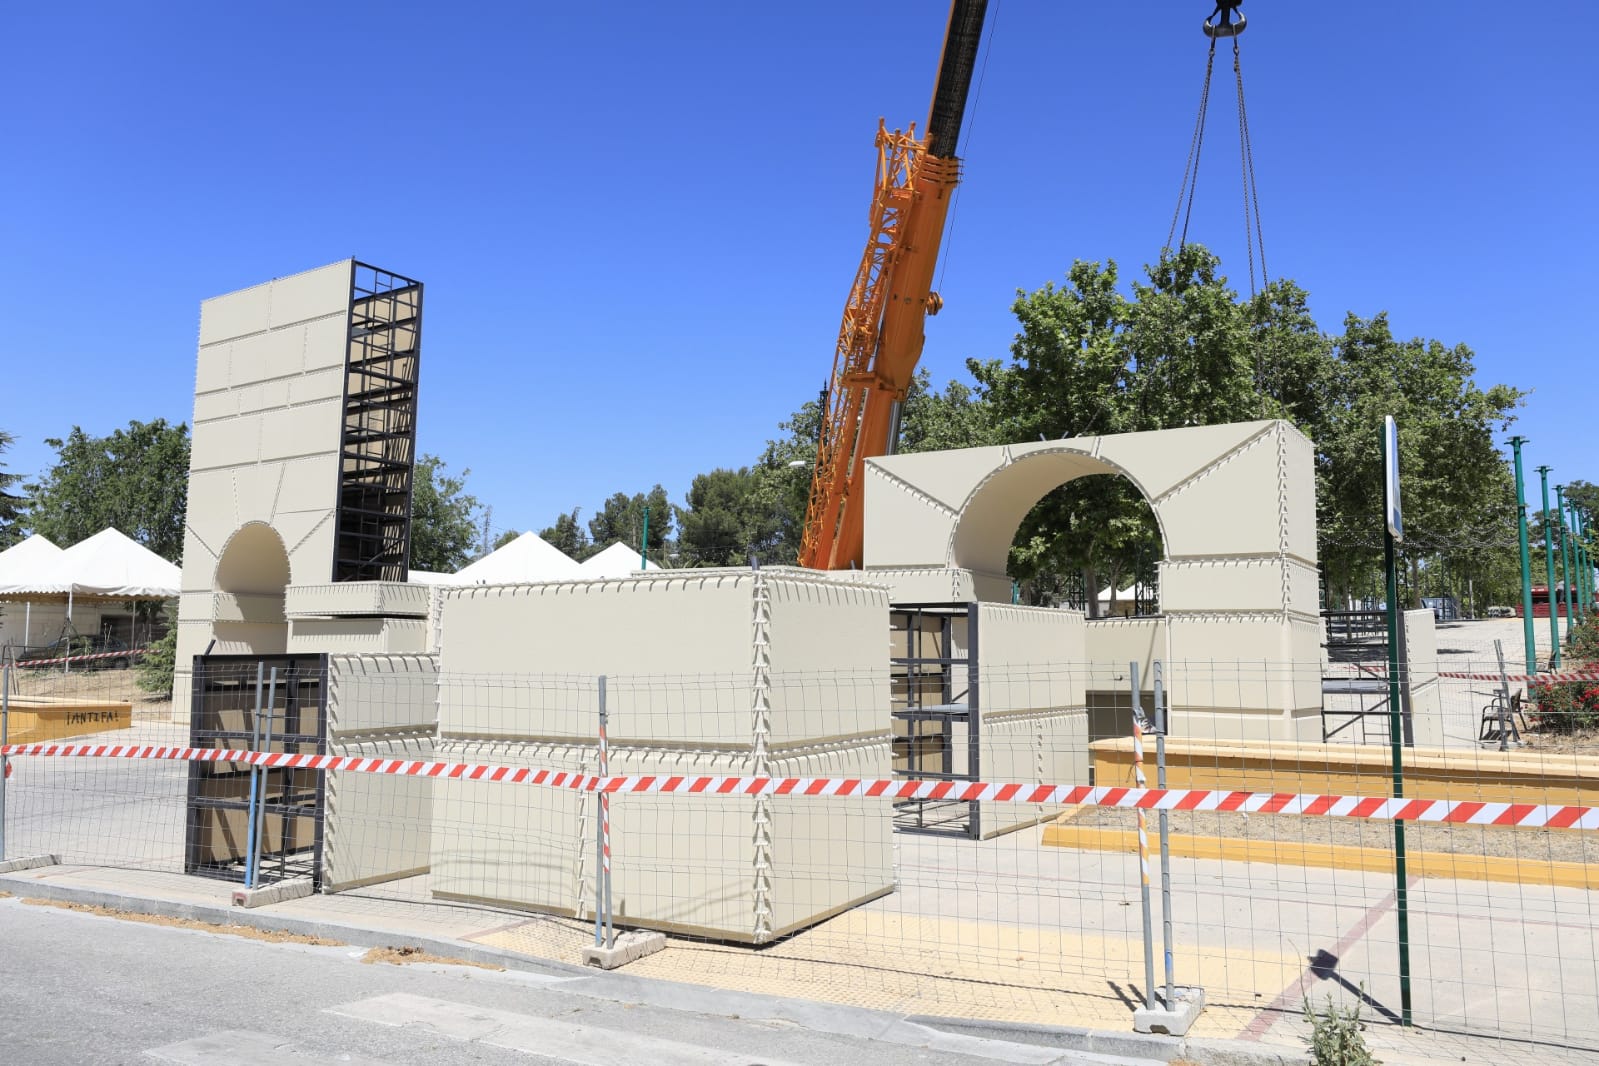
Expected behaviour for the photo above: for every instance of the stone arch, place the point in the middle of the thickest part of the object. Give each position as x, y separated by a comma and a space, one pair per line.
254, 561
989, 517
251, 585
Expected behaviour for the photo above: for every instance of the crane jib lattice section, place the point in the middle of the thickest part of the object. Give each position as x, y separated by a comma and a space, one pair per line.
1378, 808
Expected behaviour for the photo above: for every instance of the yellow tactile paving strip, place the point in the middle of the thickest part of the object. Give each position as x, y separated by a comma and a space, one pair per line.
910, 965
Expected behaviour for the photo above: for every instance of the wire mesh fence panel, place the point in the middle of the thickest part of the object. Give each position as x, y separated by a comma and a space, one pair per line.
788, 830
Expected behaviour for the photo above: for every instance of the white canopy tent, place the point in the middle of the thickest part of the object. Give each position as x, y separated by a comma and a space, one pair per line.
616, 561
21, 563
528, 558
107, 566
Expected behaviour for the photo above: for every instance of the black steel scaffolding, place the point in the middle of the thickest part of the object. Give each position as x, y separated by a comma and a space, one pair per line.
936, 711
377, 449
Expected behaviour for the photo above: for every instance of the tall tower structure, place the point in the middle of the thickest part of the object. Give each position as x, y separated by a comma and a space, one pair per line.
304, 442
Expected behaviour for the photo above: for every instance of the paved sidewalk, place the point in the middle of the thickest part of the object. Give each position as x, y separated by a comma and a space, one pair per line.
826, 978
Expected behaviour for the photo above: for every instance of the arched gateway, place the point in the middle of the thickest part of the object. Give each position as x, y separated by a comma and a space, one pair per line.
1236, 505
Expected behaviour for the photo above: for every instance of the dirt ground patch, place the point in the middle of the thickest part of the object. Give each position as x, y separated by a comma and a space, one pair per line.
1581, 743
115, 685
270, 936
413, 956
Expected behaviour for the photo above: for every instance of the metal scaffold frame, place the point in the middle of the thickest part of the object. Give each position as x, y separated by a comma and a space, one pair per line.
925, 729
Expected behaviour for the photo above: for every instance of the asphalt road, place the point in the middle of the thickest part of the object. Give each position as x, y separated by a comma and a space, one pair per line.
80, 988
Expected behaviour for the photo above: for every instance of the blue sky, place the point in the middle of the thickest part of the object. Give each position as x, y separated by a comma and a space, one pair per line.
637, 222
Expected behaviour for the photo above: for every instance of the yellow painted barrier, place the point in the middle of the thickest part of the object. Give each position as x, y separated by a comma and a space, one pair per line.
1339, 770
38, 720
1518, 871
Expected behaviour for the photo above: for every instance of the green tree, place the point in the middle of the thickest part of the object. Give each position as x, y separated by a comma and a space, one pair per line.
1089, 361
503, 539
10, 505
135, 480
444, 517
1458, 494
153, 671
568, 535
722, 524
621, 518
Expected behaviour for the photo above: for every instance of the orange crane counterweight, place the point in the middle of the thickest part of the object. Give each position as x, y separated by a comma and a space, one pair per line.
880, 340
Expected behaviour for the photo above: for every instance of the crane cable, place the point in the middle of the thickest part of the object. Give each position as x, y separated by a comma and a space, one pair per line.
1253, 235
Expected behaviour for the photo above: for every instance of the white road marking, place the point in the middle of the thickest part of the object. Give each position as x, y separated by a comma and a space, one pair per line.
241, 1047
579, 1044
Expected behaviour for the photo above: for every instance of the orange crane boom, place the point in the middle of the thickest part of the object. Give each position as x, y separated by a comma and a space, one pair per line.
881, 338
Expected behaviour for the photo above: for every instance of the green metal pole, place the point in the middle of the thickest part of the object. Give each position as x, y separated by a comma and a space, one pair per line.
1577, 588
1567, 569
1549, 566
644, 541
1526, 561
1395, 740
1579, 529
1587, 566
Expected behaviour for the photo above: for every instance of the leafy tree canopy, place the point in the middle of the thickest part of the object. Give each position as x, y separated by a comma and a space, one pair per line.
568, 535
136, 480
621, 518
10, 505
444, 517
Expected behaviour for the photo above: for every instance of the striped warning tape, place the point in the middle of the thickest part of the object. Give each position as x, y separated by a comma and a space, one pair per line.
1550, 677
127, 654
1464, 812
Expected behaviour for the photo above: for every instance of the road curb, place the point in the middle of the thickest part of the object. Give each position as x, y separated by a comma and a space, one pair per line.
914, 1029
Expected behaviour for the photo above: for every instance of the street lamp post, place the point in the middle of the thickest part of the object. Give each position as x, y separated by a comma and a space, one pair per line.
1528, 635
1549, 568
1567, 569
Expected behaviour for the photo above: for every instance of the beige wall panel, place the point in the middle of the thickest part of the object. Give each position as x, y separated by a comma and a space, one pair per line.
1046, 748
312, 294
344, 598
209, 522
237, 314
246, 638
678, 862
1264, 584
922, 585
246, 607
947, 477
223, 444
310, 557
1113, 643
211, 406
902, 526
266, 357
310, 484
373, 693
358, 636
301, 431
377, 827
829, 656
1160, 461
1299, 469
1421, 645
317, 385
1026, 658
213, 368
327, 345
1230, 509
255, 491
263, 396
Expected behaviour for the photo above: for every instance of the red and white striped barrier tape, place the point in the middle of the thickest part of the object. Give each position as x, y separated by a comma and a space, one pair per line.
1461, 812
128, 654
1549, 677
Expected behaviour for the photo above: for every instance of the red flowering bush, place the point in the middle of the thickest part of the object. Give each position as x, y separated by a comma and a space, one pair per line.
1570, 706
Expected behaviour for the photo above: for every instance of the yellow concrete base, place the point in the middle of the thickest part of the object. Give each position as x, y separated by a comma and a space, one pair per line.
1337, 856
39, 719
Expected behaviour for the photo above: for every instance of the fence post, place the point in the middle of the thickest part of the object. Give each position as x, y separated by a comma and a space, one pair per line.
604, 928
5, 738
252, 829
1161, 723
1143, 838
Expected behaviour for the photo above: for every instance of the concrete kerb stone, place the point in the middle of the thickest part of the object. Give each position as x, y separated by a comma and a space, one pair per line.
1174, 1018
627, 947
28, 862
950, 1034
265, 895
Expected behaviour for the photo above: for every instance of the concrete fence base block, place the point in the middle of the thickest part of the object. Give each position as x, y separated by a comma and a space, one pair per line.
294, 888
1174, 1018
28, 862
626, 948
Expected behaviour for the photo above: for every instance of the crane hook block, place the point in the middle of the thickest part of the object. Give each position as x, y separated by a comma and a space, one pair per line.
1225, 26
